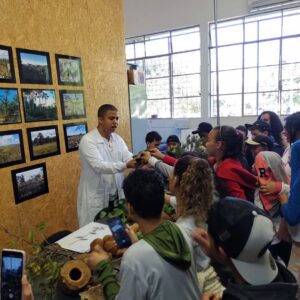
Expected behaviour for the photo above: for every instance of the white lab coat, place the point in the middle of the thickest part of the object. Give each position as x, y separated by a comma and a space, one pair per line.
103, 165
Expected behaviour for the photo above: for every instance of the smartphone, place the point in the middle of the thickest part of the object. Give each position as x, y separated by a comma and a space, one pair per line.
119, 233
12, 270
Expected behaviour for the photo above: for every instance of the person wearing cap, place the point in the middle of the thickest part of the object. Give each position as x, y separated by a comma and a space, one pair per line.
203, 130
238, 237
173, 145
260, 143
260, 127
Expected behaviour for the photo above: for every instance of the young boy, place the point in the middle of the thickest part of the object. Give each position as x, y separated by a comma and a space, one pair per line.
159, 266
239, 234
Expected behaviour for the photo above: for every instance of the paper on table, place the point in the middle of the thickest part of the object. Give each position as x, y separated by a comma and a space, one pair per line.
80, 239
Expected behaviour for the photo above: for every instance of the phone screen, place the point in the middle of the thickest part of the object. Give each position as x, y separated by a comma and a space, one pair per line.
11, 275
119, 233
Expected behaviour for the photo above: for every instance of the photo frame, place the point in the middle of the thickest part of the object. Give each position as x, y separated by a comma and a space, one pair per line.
34, 66
29, 182
69, 71
7, 70
11, 148
73, 133
43, 141
39, 105
9, 106
72, 104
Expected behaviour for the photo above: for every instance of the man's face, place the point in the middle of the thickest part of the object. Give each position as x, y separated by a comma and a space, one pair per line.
109, 122
154, 144
256, 149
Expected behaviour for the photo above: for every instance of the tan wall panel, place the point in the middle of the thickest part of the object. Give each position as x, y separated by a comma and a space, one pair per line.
92, 30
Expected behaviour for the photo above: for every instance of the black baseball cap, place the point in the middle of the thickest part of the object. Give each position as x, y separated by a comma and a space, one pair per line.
244, 232
203, 127
173, 138
260, 125
262, 140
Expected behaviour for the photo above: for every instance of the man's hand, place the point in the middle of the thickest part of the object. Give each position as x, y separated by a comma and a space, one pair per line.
145, 156
156, 153
131, 164
132, 235
97, 256
26, 289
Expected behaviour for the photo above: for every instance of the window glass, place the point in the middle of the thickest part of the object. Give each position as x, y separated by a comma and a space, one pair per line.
186, 63
186, 85
157, 67
159, 108
158, 88
187, 107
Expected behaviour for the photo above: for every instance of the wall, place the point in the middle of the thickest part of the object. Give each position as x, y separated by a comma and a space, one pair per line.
143, 17
94, 31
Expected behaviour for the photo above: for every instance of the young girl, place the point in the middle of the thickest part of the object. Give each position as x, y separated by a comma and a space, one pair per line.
225, 145
192, 184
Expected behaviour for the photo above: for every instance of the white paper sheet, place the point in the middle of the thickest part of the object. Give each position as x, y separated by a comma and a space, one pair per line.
80, 239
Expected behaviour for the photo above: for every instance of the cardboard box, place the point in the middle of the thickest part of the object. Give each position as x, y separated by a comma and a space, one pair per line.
136, 77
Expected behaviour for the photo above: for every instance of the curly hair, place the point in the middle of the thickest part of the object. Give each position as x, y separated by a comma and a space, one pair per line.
196, 188
275, 124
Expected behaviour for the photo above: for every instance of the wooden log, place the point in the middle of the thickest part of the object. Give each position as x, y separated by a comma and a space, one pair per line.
74, 276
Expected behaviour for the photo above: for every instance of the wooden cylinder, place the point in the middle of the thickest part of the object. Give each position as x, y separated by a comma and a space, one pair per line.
74, 276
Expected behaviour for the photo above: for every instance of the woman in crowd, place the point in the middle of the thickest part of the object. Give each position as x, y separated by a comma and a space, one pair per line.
225, 145
275, 124
290, 209
192, 184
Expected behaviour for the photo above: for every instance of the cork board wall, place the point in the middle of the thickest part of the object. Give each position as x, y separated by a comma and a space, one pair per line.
89, 29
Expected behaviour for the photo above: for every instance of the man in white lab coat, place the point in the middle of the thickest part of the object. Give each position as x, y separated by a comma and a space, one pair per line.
104, 156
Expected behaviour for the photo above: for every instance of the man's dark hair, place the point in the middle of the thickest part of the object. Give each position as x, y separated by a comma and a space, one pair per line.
292, 125
144, 190
153, 136
104, 108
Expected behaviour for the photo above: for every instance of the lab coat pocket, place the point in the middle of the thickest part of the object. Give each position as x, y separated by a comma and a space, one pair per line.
99, 200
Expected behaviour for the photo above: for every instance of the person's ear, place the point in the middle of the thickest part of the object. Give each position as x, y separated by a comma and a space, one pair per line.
219, 145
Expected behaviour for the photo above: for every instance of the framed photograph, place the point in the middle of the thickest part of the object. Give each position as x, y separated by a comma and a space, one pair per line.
11, 148
72, 104
34, 66
39, 105
7, 71
73, 134
9, 106
29, 182
43, 141
69, 70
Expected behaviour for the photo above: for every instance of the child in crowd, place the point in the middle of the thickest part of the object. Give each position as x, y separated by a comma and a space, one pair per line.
225, 145
239, 234
270, 171
192, 184
173, 146
153, 140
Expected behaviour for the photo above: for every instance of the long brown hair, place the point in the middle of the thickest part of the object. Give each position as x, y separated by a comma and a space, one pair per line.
196, 187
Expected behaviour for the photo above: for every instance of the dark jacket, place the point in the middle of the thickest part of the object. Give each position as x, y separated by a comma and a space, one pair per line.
284, 287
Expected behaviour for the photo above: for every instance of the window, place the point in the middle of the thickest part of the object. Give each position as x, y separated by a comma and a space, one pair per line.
259, 64
171, 62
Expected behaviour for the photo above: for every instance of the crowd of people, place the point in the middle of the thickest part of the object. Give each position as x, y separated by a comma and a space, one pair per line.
236, 234
237, 229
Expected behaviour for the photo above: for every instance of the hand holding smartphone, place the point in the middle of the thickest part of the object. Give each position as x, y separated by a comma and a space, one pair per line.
119, 232
12, 270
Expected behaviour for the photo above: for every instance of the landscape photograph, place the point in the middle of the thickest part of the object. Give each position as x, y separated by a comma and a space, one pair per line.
39, 105
11, 148
72, 104
69, 70
9, 106
34, 66
7, 73
73, 135
29, 182
43, 141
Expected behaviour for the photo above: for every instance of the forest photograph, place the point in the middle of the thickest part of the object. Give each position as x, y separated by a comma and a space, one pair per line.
34, 66
9, 106
7, 73
43, 141
72, 104
39, 105
73, 135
